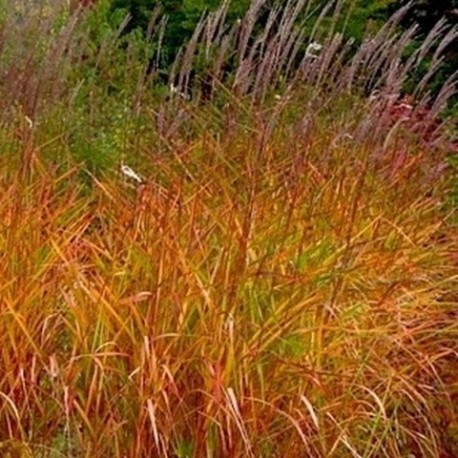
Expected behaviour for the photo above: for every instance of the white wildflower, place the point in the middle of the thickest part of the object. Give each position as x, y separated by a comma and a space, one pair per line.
129, 173
29, 122
315, 47
175, 91
313, 50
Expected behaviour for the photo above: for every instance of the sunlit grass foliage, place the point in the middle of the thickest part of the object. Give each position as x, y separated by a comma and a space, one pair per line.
258, 262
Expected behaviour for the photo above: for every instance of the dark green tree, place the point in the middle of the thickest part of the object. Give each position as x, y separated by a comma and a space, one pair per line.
182, 17
426, 13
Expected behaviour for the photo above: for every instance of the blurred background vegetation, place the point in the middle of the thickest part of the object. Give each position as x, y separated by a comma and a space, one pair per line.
183, 15
361, 17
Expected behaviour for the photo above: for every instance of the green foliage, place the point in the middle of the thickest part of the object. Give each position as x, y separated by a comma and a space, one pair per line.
365, 16
426, 13
182, 17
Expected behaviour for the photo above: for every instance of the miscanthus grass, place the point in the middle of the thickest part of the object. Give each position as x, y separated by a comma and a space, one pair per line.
265, 270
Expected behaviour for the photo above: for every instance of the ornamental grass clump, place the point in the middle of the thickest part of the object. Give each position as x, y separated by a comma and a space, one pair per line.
267, 271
